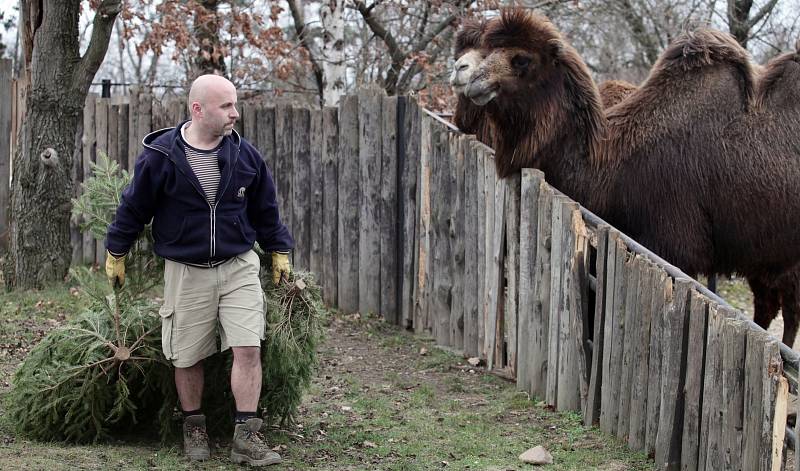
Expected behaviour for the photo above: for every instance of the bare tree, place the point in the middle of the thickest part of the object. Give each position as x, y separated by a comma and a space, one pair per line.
743, 19
58, 79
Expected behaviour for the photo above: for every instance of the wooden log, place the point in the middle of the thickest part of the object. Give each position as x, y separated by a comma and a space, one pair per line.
471, 263
753, 398
330, 203
603, 295
775, 406
734, 349
439, 309
568, 301
300, 199
670, 423
122, 136
529, 333
511, 268
390, 224
422, 260
458, 144
369, 248
613, 313
265, 137
6, 120
282, 171
631, 337
554, 337
349, 197
481, 197
711, 426
495, 327
408, 164
662, 298
581, 320
316, 184
89, 146
545, 373
695, 372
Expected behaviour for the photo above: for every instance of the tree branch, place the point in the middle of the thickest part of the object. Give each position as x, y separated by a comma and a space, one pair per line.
397, 55
102, 26
764, 11
302, 37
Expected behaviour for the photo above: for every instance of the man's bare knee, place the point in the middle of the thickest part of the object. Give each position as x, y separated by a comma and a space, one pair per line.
247, 356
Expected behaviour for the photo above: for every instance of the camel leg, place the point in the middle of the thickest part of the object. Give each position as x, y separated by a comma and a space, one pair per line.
790, 304
766, 302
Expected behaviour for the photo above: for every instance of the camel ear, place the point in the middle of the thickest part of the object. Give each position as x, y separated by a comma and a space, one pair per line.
555, 48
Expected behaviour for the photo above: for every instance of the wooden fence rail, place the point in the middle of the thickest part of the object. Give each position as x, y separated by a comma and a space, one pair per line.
399, 214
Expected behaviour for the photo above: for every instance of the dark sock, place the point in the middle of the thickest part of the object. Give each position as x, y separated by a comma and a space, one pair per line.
187, 413
242, 417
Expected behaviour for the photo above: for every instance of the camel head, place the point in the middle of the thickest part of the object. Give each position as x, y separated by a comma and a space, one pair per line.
537, 92
467, 53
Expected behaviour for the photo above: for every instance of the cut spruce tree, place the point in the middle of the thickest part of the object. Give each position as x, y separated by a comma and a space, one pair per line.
103, 375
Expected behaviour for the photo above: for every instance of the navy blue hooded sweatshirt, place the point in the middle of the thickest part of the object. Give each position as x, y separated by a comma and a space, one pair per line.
186, 227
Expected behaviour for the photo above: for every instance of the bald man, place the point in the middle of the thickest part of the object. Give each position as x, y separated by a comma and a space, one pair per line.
210, 197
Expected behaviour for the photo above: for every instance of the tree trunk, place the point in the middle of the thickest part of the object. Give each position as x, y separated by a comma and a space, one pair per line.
43, 162
210, 58
332, 14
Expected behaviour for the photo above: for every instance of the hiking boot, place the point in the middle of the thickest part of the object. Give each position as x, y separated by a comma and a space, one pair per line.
195, 438
250, 447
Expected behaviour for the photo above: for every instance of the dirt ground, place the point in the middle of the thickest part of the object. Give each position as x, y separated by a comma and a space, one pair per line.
383, 399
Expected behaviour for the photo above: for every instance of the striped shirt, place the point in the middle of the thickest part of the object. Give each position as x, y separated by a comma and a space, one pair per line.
205, 167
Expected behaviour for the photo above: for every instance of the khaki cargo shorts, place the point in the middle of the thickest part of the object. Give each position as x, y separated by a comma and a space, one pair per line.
198, 300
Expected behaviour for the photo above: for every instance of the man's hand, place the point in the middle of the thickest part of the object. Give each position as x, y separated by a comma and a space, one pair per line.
280, 267
115, 269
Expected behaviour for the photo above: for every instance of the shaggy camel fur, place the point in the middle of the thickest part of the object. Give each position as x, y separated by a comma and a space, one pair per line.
613, 92
700, 164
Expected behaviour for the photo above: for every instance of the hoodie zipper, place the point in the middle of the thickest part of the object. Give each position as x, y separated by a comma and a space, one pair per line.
212, 208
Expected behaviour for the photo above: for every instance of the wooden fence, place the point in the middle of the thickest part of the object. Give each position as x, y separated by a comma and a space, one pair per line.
400, 214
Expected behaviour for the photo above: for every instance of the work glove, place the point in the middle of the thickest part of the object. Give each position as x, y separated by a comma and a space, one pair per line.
115, 269
280, 266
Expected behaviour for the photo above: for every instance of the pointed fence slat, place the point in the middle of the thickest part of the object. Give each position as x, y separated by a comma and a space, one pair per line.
774, 408
422, 256
511, 269
493, 253
265, 137
390, 223
284, 156
734, 347
330, 203
613, 332
458, 229
662, 296
123, 116
442, 188
369, 246
711, 426
349, 198
635, 278
695, 372
568, 302
480, 185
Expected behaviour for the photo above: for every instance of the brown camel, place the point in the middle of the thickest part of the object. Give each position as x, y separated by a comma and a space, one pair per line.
700, 164
614, 91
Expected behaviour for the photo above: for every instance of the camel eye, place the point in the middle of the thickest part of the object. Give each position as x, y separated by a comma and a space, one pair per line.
520, 62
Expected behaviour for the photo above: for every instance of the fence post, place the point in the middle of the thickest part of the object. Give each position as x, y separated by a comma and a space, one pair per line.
369, 159
330, 202
408, 154
317, 186
511, 267
349, 196
389, 213
300, 195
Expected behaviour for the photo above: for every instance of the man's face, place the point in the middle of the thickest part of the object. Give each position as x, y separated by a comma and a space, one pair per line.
219, 113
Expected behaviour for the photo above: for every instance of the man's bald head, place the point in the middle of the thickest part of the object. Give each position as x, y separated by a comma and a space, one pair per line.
212, 105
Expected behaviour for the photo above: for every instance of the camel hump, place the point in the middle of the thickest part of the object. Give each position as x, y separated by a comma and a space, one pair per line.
703, 47
469, 35
778, 85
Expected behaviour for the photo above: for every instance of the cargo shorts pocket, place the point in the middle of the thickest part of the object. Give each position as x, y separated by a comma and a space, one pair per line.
167, 314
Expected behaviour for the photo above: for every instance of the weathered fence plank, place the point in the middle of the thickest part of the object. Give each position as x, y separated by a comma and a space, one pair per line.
113, 132
753, 398
493, 258
480, 185
89, 142
695, 372
471, 263
511, 268
775, 405
301, 189
408, 165
134, 139
581, 319
101, 149
540, 353
6, 118
631, 321
349, 197
122, 136
316, 184
662, 297
569, 302
530, 334
144, 118
640, 361
442, 188
265, 137
390, 224
554, 326
330, 200
670, 423
613, 331
457, 230
711, 426
422, 257
603, 295
369, 246
284, 155
734, 348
